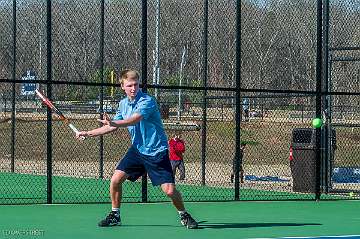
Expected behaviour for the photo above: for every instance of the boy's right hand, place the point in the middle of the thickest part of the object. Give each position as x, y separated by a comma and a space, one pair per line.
81, 135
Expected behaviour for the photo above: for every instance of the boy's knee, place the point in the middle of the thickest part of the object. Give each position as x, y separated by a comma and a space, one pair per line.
170, 191
117, 179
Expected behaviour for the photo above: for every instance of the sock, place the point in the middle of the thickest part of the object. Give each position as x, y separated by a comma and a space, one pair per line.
116, 210
181, 212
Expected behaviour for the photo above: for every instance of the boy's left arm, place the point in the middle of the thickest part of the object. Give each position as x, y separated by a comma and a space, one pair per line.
132, 120
143, 110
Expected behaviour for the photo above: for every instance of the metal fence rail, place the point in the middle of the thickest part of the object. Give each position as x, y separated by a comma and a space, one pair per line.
235, 77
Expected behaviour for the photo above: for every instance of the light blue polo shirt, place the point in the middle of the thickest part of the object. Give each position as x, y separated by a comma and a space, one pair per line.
148, 135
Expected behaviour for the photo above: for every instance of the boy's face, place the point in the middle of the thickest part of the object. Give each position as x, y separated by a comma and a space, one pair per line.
131, 86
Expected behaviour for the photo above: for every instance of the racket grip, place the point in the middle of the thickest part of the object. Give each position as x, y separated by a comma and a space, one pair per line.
73, 128
76, 130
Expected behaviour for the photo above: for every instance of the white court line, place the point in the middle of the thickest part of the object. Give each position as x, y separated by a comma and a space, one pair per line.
310, 237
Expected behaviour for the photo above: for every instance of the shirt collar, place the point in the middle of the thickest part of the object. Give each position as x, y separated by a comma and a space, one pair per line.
137, 97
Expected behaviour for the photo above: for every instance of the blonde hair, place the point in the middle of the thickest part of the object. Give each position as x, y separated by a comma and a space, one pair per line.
125, 74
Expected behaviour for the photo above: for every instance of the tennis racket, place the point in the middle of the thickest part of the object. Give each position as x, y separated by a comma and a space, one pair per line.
49, 104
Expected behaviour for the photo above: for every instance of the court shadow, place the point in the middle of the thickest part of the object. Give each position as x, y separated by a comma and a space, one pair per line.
205, 224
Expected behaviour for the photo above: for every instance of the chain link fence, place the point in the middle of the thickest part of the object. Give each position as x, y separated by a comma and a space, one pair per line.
242, 94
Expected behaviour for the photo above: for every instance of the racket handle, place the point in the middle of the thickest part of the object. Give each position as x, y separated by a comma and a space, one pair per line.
76, 130
73, 128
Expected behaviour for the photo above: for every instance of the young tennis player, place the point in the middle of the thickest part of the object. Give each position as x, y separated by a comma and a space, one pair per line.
148, 152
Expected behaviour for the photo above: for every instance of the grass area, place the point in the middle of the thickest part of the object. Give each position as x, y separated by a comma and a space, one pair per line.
270, 142
32, 189
271, 148
348, 147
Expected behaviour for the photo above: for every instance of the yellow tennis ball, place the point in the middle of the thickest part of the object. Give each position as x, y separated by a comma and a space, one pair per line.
317, 123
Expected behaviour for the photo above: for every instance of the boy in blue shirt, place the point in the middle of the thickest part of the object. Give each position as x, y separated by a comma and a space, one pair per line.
148, 152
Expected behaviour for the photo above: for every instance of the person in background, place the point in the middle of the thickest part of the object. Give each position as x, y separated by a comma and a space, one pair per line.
246, 108
177, 150
241, 168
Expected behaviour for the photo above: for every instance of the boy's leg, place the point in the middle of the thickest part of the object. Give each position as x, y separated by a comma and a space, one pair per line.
130, 167
113, 218
170, 190
116, 187
182, 170
186, 220
173, 166
241, 174
160, 172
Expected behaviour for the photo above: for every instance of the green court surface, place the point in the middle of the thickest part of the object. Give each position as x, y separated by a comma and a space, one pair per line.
160, 221
27, 188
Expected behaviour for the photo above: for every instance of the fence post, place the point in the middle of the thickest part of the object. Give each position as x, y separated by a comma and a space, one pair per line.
326, 172
101, 56
319, 69
238, 99
144, 188
205, 76
13, 106
49, 95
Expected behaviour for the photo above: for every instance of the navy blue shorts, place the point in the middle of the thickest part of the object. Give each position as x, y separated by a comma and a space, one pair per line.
136, 164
